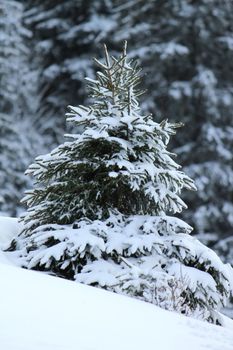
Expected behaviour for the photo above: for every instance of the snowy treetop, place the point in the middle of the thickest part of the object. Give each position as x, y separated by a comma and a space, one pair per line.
124, 152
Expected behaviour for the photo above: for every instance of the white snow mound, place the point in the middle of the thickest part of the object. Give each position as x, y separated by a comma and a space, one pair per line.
41, 312
9, 227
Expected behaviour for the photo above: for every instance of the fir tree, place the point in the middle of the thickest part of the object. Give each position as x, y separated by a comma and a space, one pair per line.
17, 104
99, 211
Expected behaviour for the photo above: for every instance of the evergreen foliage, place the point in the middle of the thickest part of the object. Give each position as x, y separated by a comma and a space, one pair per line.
16, 104
181, 45
99, 211
185, 48
64, 33
15, 155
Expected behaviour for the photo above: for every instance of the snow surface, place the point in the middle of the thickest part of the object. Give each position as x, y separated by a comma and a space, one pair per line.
43, 312
38, 312
9, 227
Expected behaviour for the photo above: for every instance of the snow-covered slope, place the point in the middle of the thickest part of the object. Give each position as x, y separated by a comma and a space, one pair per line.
41, 312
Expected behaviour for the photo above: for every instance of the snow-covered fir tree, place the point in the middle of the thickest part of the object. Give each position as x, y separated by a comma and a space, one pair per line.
17, 103
101, 210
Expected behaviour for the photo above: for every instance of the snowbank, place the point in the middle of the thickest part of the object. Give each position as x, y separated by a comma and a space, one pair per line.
41, 312
9, 227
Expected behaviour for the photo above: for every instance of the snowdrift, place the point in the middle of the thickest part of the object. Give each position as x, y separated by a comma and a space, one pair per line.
9, 227
41, 312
